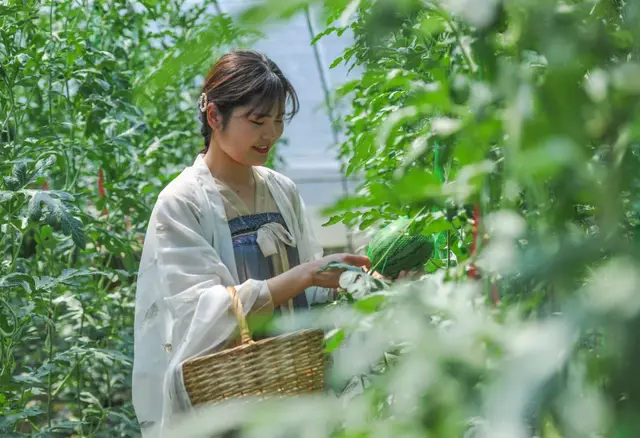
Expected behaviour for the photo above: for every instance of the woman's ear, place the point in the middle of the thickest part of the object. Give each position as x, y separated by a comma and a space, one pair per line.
214, 118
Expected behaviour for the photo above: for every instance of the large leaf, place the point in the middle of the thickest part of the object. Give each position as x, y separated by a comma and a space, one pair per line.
46, 283
19, 176
16, 279
8, 421
57, 214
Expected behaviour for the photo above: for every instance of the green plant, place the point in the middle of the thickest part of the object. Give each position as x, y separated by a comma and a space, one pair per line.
506, 130
90, 131
525, 112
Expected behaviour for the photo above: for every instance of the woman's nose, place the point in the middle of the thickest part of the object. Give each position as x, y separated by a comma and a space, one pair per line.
271, 131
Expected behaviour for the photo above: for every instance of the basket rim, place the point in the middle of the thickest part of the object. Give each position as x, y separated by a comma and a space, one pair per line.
252, 345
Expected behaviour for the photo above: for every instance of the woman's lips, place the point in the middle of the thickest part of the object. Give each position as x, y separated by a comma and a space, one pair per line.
262, 149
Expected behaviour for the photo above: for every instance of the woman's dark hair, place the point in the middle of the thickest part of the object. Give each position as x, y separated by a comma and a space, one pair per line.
245, 77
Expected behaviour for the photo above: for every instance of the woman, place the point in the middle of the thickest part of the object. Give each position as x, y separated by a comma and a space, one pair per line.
225, 220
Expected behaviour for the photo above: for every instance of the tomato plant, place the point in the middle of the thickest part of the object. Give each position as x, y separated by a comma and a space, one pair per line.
90, 133
506, 129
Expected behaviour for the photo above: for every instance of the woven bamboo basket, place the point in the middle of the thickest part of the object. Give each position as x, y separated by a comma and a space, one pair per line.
283, 365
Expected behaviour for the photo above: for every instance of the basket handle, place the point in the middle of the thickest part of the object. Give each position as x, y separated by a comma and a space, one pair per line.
236, 306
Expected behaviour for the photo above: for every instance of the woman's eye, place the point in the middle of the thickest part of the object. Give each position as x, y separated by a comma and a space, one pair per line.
279, 121
257, 123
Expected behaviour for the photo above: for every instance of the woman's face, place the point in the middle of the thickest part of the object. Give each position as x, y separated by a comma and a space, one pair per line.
248, 138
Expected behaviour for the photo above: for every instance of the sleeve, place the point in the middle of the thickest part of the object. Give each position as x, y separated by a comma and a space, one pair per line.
194, 279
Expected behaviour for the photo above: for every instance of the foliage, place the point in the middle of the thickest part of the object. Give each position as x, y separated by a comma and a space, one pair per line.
91, 132
526, 111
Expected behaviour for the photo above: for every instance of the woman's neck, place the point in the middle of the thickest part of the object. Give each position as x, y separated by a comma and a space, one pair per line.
224, 168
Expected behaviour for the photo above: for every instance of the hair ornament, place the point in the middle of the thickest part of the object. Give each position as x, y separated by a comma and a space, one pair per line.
203, 102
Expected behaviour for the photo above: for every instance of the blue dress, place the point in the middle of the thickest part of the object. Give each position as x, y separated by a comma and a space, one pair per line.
250, 262
244, 223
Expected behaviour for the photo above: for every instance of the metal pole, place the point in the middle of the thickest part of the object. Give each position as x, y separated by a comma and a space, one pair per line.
217, 6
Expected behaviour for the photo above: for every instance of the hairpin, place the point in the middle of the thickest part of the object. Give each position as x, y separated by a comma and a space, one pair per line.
203, 102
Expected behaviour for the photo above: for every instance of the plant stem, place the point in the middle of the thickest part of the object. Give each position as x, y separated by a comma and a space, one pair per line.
50, 63
448, 249
51, 332
68, 376
77, 367
108, 388
324, 81
71, 186
13, 107
216, 5
16, 252
50, 376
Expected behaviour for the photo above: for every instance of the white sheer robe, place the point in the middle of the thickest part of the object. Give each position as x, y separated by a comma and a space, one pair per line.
181, 308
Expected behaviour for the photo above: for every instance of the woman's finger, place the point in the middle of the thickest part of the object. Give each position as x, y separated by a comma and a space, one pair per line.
357, 260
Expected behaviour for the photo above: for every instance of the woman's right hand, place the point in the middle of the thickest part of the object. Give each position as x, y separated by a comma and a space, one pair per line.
287, 285
330, 278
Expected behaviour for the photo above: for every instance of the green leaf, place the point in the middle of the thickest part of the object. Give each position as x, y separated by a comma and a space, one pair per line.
327, 31
417, 184
195, 49
272, 10
57, 215
12, 183
64, 426
18, 279
341, 266
336, 62
34, 210
371, 303
348, 12
106, 355
334, 339
20, 173
332, 221
46, 163
73, 227
19, 176
436, 224
104, 84
8, 421
370, 220
46, 283
5, 195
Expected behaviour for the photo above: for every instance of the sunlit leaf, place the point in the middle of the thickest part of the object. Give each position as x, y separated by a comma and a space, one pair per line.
333, 340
